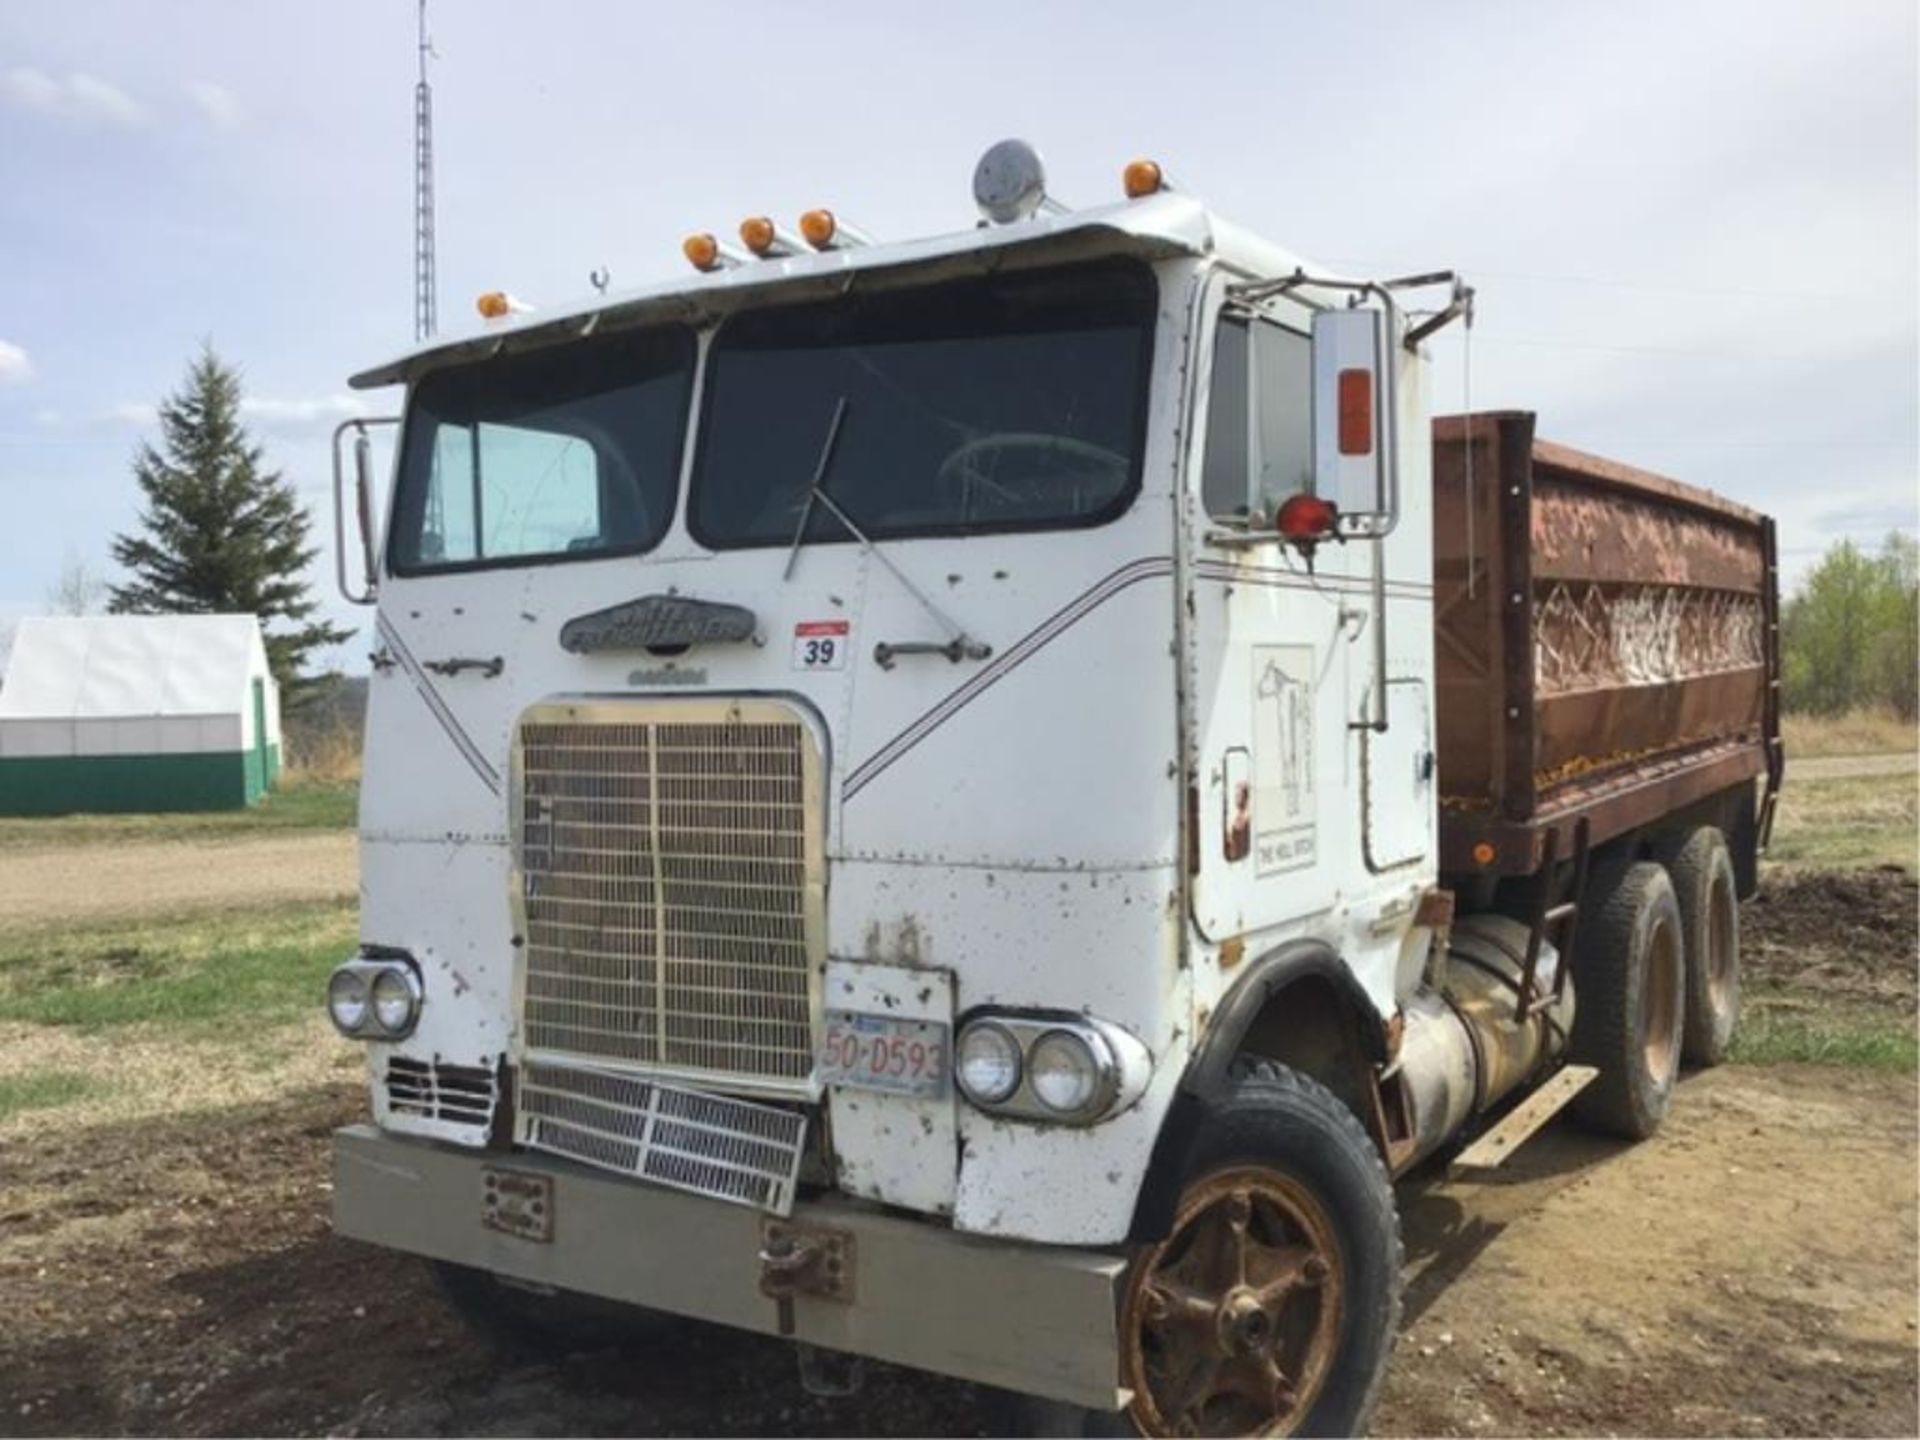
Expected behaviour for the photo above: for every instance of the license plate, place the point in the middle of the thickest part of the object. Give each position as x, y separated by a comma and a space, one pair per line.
884, 1052
517, 1202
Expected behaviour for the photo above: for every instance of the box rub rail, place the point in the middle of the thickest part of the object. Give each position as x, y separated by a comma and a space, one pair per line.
669, 888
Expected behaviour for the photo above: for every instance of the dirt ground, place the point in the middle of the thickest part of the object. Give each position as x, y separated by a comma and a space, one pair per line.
1750, 1271
99, 881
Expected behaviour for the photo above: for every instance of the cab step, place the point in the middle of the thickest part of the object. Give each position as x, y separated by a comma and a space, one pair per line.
1518, 1125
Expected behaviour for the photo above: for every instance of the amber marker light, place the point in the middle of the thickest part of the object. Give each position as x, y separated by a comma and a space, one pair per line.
756, 233
818, 226
493, 305
1142, 178
702, 251
1483, 853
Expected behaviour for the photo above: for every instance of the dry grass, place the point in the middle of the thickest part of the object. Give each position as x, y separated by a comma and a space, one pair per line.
327, 752
1873, 820
1858, 732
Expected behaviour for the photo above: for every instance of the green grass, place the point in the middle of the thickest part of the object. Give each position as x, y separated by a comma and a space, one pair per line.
43, 1090
260, 966
298, 805
1873, 820
1773, 1031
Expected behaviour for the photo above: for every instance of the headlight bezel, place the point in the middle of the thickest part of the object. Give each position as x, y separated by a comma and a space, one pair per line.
368, 973
1028, 1029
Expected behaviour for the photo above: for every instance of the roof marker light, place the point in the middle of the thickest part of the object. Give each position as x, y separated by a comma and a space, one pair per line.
1142, 178
826, 231
498, 305
704, 252
767, 240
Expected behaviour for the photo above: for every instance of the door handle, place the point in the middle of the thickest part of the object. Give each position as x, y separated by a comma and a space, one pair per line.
453, 666
957, 649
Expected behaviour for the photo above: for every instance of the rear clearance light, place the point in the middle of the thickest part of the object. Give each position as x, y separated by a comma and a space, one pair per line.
1356, 412
1306, 517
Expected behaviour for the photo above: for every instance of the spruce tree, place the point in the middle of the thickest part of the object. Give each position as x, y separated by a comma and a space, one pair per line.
221, 534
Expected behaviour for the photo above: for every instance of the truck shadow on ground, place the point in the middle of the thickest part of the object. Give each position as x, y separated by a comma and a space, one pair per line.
1447, 1223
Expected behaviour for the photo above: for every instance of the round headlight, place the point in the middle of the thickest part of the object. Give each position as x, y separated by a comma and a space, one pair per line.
395, 1001
348, 1001
1064, 1073
987, 1063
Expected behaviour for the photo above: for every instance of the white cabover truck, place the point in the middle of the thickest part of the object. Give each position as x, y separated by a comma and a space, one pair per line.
909, 802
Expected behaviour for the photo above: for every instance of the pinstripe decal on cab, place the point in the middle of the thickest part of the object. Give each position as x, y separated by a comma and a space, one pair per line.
1035, 640
1149, 568
437, 707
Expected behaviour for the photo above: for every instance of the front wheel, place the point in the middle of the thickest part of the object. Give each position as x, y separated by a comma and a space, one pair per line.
1271, 1305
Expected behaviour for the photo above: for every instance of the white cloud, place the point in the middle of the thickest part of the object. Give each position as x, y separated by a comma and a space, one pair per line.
279, 414
283, 414
79, 97
16, 367
216, 102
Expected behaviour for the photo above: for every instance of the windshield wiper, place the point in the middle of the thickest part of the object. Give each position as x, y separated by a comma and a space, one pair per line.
816, 490
959, 645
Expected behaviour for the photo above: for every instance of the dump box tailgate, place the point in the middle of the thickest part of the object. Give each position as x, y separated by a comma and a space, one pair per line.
1605, 642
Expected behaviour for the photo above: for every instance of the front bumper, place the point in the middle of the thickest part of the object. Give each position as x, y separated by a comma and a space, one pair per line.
1033, 1318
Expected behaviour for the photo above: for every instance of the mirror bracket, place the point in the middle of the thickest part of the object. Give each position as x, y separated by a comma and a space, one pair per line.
363, 508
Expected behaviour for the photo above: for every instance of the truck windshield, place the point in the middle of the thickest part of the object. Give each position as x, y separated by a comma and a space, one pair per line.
569, 453
1013, 402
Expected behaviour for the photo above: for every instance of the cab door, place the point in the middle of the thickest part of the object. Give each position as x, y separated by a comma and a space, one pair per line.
1274, 633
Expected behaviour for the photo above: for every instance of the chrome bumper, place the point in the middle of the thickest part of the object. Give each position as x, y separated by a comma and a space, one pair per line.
1032, 1318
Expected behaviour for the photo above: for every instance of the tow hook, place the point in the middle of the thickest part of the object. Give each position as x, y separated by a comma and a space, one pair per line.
797, 1259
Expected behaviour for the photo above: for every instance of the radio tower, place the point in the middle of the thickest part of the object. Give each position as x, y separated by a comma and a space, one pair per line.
424, 318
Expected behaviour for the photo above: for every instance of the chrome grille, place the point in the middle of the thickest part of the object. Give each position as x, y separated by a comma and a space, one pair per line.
670, 888
709, 1144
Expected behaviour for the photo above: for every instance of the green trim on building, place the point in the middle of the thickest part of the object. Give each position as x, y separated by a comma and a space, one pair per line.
135, 784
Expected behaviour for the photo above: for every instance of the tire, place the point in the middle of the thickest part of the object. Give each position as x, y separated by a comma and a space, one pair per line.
542, 1324
1630, 987
1282, 1164
1705, 885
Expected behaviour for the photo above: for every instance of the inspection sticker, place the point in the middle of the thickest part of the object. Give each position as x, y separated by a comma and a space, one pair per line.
820, 644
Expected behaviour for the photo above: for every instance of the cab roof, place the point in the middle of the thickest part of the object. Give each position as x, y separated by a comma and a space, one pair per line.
1156, 227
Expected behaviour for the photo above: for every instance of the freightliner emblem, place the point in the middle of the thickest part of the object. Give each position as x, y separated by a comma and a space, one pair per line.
654, 621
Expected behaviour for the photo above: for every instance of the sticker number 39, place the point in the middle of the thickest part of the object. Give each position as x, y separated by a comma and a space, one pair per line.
820, 644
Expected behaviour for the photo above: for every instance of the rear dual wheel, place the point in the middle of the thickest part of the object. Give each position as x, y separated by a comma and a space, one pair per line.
1703, 881
1630, 999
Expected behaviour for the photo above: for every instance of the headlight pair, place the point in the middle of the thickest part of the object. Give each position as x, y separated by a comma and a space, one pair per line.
1039, 1067
374, 999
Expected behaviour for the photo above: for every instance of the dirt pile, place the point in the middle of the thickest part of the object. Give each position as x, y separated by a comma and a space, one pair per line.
1850, 934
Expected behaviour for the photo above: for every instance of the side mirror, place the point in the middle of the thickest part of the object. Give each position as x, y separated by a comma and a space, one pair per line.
1351, 402
362, 509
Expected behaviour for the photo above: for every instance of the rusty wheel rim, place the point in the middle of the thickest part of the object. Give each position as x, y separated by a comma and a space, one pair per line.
1230, 1324
1660, 1002
1720, 942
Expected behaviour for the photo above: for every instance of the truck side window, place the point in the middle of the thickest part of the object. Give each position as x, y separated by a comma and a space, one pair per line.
1260, 419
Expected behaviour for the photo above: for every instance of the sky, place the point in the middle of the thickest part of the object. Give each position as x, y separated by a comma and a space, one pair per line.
1694, 227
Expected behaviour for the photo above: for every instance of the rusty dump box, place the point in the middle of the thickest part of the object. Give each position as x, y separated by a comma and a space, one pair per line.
1605, 644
